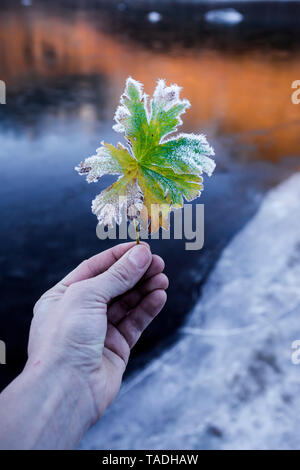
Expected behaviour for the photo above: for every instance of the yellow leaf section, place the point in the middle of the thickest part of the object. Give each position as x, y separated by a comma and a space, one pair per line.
156, 209
122, 156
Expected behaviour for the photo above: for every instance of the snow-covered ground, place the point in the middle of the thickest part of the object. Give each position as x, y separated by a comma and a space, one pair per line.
229, 381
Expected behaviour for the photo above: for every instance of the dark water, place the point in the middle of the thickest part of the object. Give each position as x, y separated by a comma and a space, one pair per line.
65, 69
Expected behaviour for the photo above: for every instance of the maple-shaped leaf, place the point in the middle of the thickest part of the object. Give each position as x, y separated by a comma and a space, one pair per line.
157, 171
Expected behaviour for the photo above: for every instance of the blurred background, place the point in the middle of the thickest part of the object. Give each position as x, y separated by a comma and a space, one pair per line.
211, 372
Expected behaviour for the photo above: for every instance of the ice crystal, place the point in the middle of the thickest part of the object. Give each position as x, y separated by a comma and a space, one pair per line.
156, 170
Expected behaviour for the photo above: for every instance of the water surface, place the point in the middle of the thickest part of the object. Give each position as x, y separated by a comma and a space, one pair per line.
65, 69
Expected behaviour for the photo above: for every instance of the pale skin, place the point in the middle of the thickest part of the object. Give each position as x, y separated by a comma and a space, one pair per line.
80, 340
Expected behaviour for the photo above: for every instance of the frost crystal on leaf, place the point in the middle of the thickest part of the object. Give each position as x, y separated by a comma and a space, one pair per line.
110, 204
98, 165
156, 170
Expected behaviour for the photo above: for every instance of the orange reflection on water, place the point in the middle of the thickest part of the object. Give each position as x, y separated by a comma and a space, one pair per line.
245, 95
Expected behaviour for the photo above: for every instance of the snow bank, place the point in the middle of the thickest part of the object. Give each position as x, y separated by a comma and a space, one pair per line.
229, 382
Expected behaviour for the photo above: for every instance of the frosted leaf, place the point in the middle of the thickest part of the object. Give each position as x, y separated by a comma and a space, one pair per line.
132, 88
166, 96
108, 160
121, 197
94, 167
190, 151
132, 115
157, 171
122, 116
166, 108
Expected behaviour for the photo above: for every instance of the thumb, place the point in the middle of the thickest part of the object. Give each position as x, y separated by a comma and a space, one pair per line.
124, 274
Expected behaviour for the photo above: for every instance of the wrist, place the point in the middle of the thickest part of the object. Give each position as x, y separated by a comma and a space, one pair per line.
64, 395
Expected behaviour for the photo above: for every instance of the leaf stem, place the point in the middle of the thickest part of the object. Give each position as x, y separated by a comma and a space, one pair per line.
137, 236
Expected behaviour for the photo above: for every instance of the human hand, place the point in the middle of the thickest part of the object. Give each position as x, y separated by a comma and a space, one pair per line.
87, 324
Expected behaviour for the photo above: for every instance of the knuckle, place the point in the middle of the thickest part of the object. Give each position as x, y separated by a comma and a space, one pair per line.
80, 286
41, 302
76, 290
37, 306
73, 288
86, 264
121, 274
133, 337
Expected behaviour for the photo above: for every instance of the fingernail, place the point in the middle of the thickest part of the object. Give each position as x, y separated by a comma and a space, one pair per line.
139, 256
